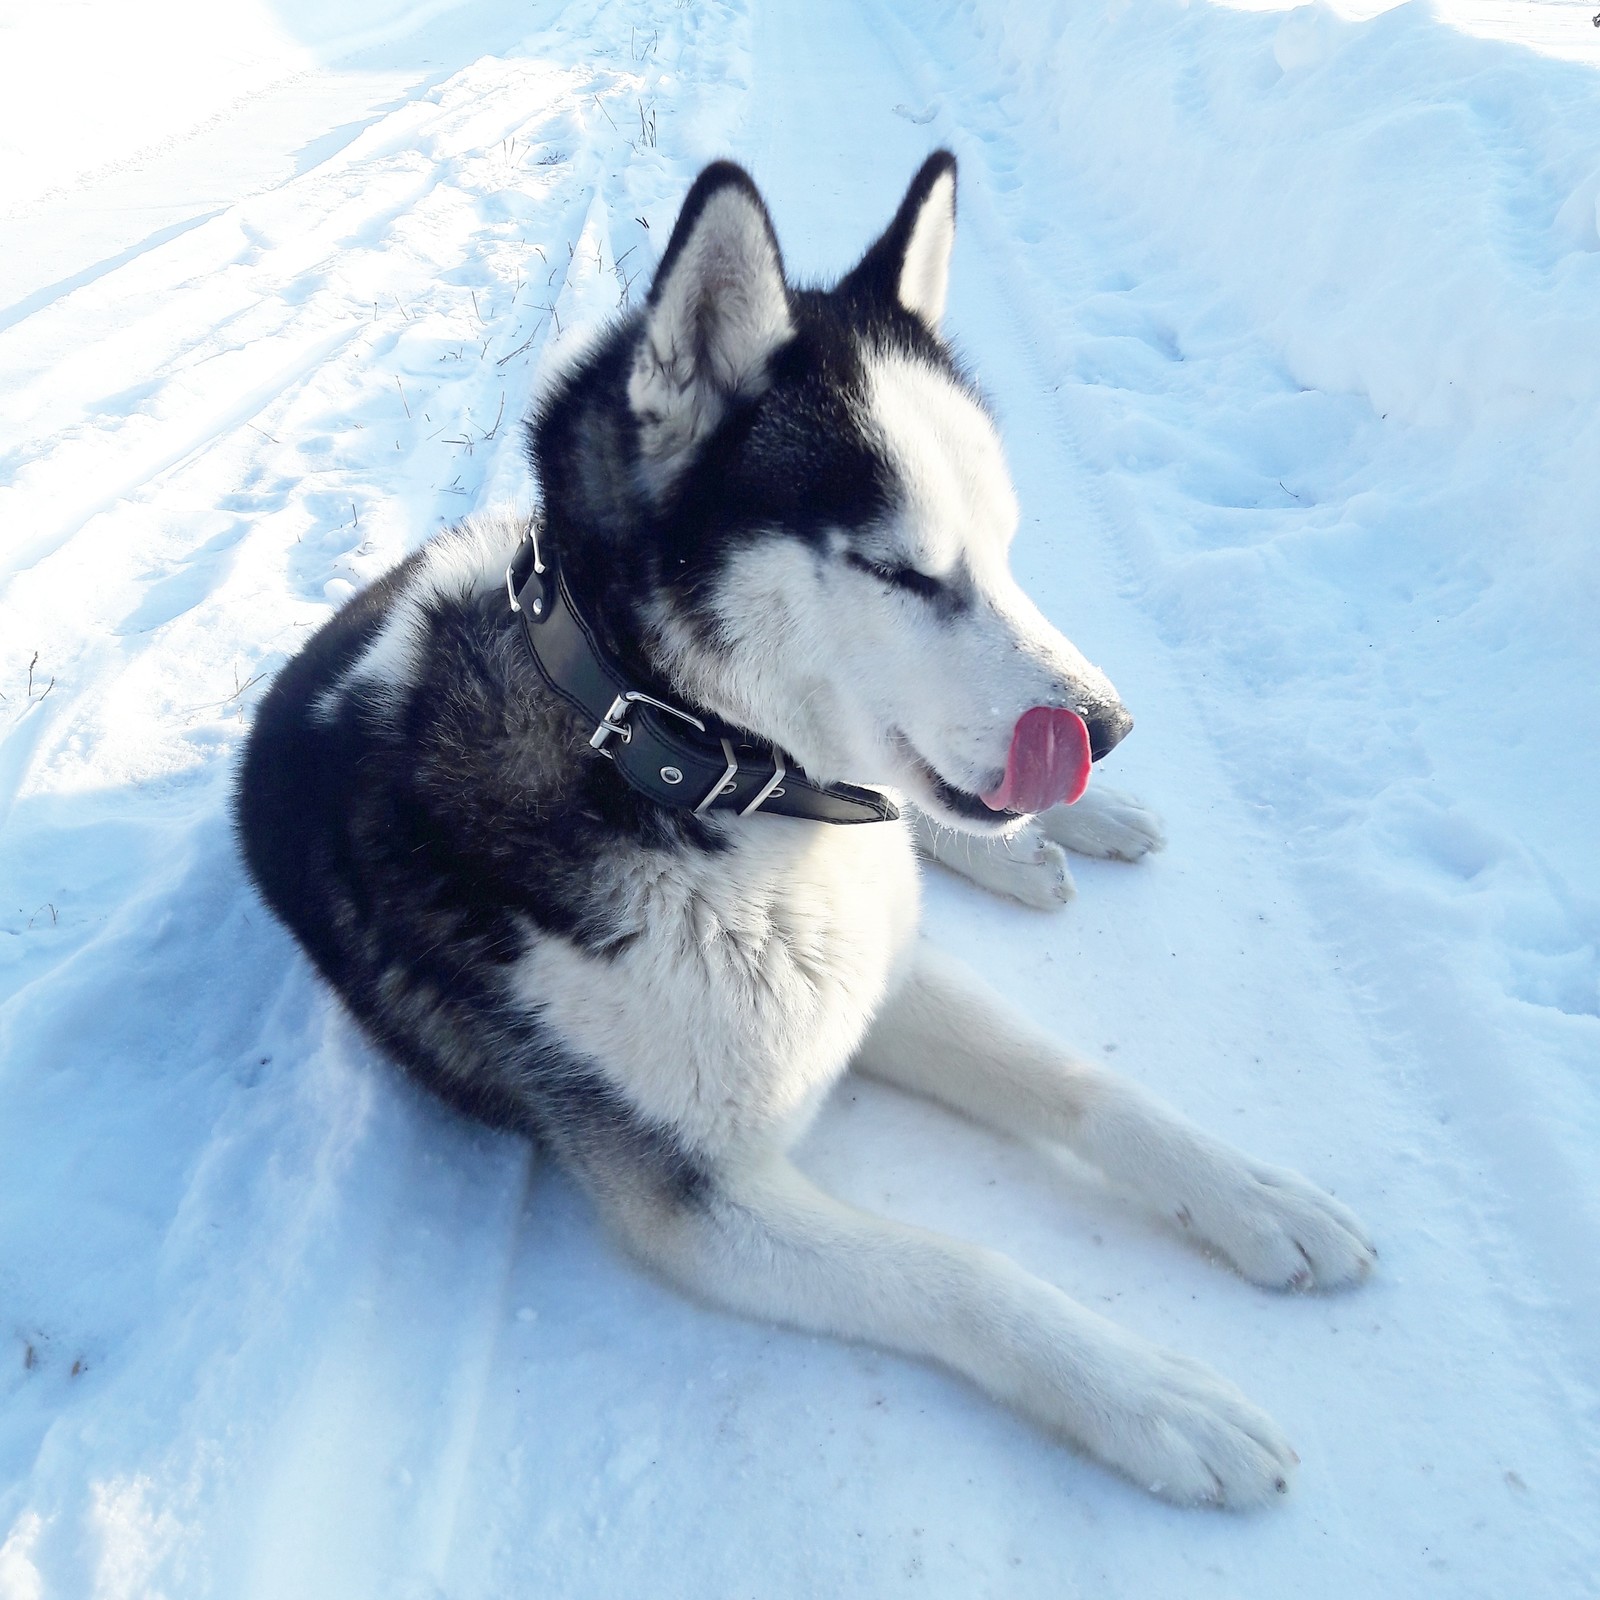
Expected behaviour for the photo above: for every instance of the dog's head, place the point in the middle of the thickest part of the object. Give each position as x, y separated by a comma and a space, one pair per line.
800, 505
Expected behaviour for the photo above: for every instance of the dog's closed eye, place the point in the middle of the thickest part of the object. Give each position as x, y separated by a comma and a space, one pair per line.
896, 576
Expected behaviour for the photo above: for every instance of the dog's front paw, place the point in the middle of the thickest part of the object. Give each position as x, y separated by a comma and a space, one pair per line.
1106, 823
1279, 1230
1023, 865
1030, 868
1184, 1432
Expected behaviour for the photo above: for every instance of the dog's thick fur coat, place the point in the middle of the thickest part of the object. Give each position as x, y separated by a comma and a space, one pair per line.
790, 508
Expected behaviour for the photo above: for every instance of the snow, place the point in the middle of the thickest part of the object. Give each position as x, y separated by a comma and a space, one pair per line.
1289, 318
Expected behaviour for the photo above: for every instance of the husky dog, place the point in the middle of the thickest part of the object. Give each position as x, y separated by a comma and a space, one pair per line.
568, 812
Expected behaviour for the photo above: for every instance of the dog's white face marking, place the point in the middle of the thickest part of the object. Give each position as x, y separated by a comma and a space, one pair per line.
960, 509
903, 653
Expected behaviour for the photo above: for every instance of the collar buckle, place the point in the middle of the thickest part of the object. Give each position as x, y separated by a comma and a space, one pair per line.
615, 723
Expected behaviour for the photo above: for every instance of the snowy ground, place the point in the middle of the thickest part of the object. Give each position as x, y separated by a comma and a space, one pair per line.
1291, 321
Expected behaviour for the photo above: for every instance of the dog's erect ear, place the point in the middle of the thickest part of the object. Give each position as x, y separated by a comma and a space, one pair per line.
718, 309
910, 265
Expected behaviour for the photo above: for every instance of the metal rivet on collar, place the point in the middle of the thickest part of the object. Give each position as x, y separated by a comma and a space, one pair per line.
671, 775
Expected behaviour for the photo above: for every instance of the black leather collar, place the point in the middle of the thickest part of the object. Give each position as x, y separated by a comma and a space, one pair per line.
687, 760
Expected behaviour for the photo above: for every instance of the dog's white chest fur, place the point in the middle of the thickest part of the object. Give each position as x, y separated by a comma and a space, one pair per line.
743, 981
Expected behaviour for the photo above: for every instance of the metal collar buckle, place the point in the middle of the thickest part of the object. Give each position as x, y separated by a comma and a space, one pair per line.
614, 721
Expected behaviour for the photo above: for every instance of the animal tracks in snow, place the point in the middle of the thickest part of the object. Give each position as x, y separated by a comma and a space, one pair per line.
341, 362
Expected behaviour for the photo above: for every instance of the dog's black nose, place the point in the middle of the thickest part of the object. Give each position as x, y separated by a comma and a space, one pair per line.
1108, 727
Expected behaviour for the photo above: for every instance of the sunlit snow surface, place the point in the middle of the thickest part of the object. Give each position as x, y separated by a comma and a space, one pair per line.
1292, 321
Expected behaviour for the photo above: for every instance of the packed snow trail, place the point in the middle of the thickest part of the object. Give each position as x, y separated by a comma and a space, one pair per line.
1288, 322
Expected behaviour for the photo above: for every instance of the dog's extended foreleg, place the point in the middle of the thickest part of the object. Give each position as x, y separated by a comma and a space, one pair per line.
1030, 863
1023, 865
1107, 823
758, 1238
947, 1035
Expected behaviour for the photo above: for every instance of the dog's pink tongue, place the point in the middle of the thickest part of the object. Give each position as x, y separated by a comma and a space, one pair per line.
1048, 763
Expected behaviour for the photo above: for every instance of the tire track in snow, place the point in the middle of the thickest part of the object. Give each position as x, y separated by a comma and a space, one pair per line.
259, 436
272, 347
1418, 1038
223, 407
1292, 1066
1422, 1015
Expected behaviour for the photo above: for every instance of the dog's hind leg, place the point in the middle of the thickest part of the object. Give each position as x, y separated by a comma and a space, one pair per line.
756, 1237
946, 1035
